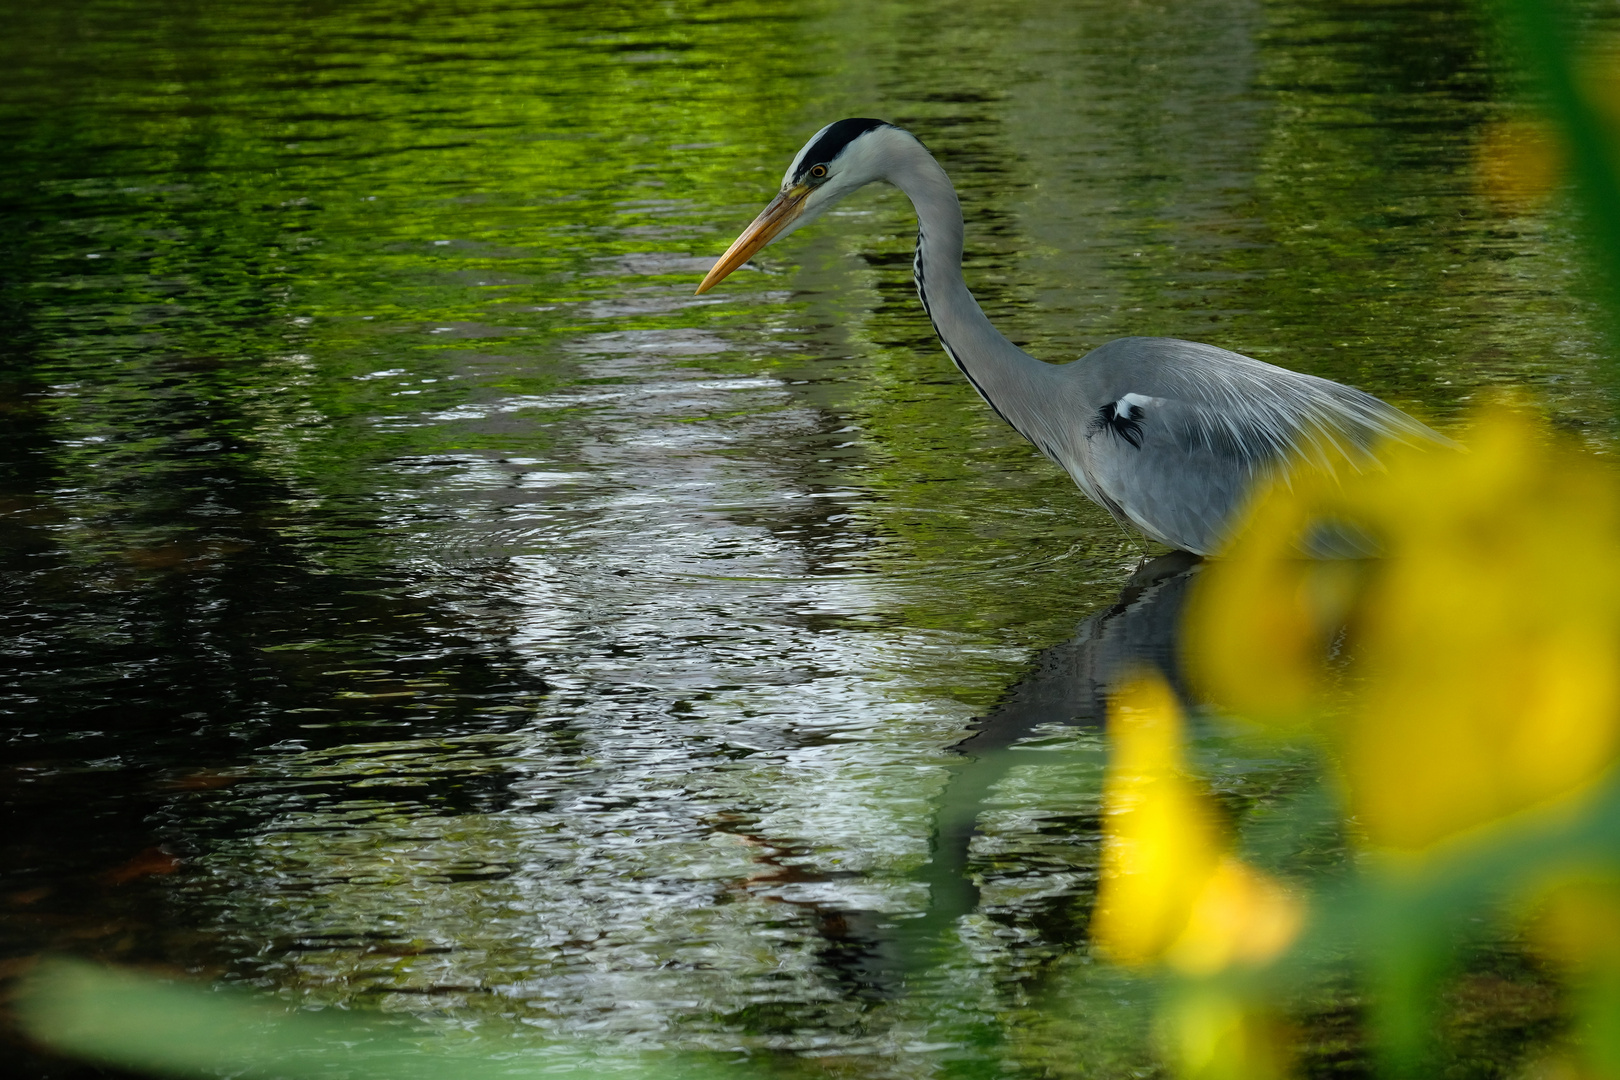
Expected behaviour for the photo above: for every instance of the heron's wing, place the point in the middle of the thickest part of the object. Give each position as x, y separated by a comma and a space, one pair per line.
1179, 434
1175, 469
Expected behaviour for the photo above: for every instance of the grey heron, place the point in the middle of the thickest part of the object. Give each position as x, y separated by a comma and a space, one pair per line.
1167, 435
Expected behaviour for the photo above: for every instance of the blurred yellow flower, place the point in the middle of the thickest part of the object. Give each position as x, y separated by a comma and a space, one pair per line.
1170, 890
1210, 1035
1576, 922
1519, 162
1482, 647
1558, 1066
1240, 916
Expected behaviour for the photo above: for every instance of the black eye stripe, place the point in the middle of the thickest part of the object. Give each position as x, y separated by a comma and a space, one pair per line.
833, 141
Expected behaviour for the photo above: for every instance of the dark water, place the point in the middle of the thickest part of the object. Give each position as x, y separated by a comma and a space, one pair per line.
416, 598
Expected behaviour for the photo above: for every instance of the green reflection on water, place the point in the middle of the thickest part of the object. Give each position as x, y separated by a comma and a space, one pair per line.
278, 199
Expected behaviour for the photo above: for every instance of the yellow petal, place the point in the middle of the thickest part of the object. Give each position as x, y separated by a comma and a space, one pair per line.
1482, 647
1577, 923
1260, 621
1241, 917
1162, 843
1519, 162
1487, 641
1210, 1035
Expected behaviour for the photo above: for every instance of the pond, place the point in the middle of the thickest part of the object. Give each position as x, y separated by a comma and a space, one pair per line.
417, 599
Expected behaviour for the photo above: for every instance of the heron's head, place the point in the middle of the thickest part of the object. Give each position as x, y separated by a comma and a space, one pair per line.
838, 159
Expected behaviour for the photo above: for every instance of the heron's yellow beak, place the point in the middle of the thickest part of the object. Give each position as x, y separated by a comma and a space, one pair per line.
771, 221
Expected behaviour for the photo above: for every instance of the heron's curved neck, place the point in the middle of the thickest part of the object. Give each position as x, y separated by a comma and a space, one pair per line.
1003, 374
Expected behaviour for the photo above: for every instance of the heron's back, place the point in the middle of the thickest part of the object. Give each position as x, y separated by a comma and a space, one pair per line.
1172, 435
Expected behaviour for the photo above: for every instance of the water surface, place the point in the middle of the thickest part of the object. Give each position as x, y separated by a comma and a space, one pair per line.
417, 598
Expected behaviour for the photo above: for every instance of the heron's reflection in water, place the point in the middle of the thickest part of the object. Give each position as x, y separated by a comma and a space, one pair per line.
876, 956
1072, 682
1070, 685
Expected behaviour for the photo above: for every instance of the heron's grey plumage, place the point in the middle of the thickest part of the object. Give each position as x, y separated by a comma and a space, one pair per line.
1169, 436
1214, 424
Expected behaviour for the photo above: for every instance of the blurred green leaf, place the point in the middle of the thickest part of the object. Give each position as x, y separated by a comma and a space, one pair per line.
153, 1025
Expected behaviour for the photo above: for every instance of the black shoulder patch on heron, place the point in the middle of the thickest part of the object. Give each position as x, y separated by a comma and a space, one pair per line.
1126, 424
833, 141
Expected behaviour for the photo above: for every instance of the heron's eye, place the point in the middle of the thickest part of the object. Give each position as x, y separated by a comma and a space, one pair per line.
818, 171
